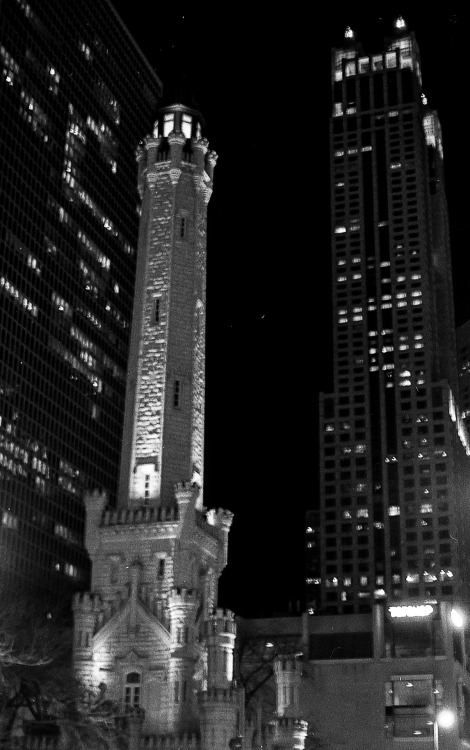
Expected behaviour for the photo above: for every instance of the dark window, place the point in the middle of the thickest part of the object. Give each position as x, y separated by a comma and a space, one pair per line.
177, 394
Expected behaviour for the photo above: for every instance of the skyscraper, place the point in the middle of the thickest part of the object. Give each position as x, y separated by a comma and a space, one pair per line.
76, 96
394, 451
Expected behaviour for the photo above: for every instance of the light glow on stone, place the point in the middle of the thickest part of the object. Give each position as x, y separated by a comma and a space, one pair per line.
418, 610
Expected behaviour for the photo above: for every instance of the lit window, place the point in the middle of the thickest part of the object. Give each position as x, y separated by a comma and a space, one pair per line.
394, 510
362, 513
18, 296
168, 123
9, 520
186, 124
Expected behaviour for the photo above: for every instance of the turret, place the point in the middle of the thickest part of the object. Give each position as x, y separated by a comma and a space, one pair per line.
288, 674
219, 635
290, 731
85, 611
219, 703
182, 607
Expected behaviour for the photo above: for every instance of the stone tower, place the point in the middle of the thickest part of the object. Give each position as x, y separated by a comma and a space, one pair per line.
158, 555
164, 417
148, 635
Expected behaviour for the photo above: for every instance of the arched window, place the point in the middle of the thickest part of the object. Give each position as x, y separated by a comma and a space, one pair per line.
132, 690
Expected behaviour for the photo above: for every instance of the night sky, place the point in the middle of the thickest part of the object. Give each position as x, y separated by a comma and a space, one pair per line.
261, 77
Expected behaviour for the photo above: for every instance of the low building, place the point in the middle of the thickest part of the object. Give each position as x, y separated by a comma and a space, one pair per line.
395, 678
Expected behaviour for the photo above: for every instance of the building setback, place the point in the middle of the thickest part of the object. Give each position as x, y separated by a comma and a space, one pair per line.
76, 97
394, 519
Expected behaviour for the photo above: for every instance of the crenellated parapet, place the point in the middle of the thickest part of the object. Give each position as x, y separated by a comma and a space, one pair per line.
142, 515
175, 742
218, 696
220, 622
84, 602
182, 597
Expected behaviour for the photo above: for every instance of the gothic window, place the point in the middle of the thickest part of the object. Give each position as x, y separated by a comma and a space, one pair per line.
132, 691
183, 226
161, 568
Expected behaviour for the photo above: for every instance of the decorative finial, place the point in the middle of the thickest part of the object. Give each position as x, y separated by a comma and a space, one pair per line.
349, 33
400, 23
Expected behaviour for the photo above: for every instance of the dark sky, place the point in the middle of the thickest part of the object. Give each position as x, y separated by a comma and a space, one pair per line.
261, 75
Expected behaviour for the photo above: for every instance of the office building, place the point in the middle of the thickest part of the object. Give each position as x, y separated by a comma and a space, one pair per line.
76, 95
463, 365
394, 519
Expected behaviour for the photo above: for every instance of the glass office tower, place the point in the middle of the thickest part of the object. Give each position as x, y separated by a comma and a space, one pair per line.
76, 94
394, 451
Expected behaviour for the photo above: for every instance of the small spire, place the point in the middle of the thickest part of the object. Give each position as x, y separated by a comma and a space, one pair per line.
349, 33
400, 23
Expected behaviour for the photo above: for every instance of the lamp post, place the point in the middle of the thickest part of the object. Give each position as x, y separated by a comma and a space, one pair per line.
445, 719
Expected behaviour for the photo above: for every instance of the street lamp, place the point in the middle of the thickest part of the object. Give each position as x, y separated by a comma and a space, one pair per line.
457, 618
445, 718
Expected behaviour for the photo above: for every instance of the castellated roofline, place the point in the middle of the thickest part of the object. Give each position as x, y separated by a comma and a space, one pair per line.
86, 602
220, 695
176, 742
287, 664
220, 622
182, 596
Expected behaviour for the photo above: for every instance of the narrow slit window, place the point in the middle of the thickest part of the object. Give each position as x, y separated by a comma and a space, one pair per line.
177, 394
183, 226
157, 311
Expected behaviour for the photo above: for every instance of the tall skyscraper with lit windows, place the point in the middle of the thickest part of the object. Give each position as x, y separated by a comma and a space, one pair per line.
394, 470
76, 95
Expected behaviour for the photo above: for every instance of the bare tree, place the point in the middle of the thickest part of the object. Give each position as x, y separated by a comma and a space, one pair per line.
37, 679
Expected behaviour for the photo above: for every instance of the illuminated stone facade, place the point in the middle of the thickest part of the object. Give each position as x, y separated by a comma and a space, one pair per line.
149, 631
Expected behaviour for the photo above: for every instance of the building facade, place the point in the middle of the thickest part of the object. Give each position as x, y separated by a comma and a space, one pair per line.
149, 632
394, 678
394, 450
75, 99
463, 364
